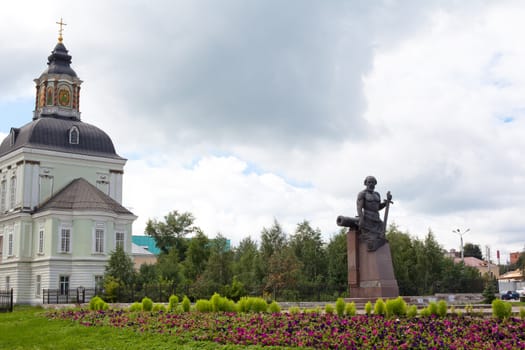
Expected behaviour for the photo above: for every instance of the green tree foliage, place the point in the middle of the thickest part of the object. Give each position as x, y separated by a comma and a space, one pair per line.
197, 255
148, 274
473, 250
247, 266
283, 273
337, 262
520, 264
421, 268
307, 246
218, 271
169, 267
120, 267
171, 232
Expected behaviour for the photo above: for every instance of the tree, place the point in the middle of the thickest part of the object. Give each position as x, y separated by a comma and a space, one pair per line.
283, 273
421, 267
169, 267
120, 267
470, 249
172, 232
247, 266
272, 240
218, 271
337, 262
148, 274
307, 246
197, 256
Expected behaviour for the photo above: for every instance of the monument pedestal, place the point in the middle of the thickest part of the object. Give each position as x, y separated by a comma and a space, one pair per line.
370, 274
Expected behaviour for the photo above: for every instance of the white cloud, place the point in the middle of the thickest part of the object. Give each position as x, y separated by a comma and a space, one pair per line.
241, 112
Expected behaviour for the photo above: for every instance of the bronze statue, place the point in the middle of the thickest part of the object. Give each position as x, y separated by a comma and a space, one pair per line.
371, 228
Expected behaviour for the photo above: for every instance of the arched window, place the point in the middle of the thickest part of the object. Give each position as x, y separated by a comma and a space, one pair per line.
74, 136
49, 98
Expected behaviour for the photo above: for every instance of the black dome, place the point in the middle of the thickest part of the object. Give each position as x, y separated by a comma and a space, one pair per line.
52, 133
59, 62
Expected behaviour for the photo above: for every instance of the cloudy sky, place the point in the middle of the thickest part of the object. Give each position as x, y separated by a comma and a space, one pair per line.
244, 111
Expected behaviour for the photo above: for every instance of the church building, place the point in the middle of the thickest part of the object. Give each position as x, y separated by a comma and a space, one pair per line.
61, 212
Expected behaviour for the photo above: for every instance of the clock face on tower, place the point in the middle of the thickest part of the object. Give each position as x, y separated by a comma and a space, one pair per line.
63, 97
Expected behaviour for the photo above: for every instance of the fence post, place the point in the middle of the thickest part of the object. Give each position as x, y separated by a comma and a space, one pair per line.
11, 306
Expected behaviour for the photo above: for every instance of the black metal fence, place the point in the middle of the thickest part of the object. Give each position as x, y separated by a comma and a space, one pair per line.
70, 296
6, 300
128, 294
157, 292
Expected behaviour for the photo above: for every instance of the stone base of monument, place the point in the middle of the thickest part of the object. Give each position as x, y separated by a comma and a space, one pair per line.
370, 274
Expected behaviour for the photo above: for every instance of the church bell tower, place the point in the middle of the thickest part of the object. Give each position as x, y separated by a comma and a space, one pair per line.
58, 87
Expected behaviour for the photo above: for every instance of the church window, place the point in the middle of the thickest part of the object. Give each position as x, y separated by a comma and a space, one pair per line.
99, 240
64, 285
119, 240
49, 99
12, 193
7, 282
10, 244
38, 285
74, 136
3, 195
99, 282
65, 240
41, 241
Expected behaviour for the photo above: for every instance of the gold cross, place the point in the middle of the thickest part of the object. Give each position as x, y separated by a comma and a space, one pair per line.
61, 23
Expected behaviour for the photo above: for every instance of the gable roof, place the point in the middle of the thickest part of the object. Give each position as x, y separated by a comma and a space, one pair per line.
79, 194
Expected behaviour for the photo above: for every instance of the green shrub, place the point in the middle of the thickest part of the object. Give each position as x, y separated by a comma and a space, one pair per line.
501, 309
186, 304
316, 310
93, 302
147, 304
258, 305
412, 311
294, 309
243, 305
173, 302
469, 309
135, 307
252, 304
274, 307
203, 305
159, 307
97, 303
432, 308
368, 308
452, 309
425, 312
216, 302
350, 309
442, 308
379, 307
396, 307
329, 309
522, 313
340, 307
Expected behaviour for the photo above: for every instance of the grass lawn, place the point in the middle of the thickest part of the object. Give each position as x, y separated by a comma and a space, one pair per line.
27, 328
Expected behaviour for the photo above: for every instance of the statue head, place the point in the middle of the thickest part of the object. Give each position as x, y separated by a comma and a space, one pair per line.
370, 182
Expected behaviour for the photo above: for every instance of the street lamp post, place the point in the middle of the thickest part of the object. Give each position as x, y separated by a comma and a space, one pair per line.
458, 231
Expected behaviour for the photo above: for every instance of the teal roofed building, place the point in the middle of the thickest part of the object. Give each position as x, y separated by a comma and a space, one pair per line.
146, 242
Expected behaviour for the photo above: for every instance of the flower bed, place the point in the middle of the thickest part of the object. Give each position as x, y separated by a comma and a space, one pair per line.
321, 331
